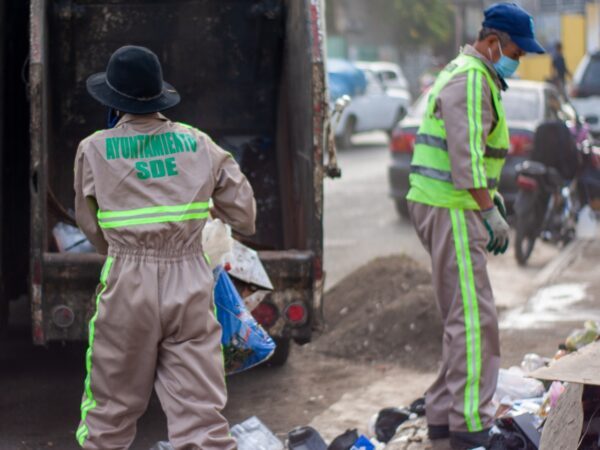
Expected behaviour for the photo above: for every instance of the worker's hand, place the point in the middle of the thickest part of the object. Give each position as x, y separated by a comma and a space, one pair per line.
499, 202
498, 230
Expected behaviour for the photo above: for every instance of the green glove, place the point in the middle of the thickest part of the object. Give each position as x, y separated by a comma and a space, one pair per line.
499, 202
498, 230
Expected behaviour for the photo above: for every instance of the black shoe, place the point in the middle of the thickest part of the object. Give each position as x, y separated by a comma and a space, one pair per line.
436, 432
468, 441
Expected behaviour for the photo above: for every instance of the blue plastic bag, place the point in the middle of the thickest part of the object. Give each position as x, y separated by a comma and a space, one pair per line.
363, 443
245, 343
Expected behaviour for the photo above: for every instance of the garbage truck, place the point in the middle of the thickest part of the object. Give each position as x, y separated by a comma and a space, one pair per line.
251, 74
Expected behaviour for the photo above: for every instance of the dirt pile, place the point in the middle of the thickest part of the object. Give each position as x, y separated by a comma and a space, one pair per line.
384, 312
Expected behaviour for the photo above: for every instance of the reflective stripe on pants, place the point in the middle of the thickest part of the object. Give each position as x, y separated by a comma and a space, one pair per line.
461, 395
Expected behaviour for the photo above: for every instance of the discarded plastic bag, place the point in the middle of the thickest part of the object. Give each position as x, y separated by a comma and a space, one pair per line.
245, 342
531, 362
586, 223
70, 239
387, 421
252, 434
363, 443
216, 242
512, 385
344, 441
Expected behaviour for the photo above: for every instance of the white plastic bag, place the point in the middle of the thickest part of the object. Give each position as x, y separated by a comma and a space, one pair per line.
513, 385
216, 242
586, 223
71, 239
254, 435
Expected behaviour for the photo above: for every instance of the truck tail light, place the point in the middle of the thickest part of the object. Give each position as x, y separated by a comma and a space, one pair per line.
266, 314
527, 183
521, 144
296, 314
402, 141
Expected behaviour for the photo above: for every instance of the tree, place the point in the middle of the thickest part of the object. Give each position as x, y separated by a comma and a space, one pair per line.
424, 22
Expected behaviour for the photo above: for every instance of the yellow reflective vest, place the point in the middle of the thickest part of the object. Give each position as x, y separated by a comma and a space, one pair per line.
431, 177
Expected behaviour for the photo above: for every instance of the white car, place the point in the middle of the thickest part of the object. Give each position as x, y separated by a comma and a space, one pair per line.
374, 110
585, 92
391, 76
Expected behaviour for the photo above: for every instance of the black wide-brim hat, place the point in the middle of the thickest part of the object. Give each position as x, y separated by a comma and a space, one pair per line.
133, 83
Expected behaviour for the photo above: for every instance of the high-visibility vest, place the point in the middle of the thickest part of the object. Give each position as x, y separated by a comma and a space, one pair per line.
431, 178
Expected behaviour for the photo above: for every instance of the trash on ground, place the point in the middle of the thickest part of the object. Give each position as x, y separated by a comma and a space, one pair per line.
514, 385
70, 239
344, 441
245, 343
162, 445
252, 434
363, 443
532, 362
387, 422
305, 438
409, 433
519, 433
582, 337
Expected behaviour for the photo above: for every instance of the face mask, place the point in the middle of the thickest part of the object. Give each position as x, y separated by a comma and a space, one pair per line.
505, 66
113, 118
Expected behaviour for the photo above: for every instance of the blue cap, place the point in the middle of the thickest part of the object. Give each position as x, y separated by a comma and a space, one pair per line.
516, 22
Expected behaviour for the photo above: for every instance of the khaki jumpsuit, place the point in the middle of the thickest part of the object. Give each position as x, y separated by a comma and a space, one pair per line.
154, 324
461, 396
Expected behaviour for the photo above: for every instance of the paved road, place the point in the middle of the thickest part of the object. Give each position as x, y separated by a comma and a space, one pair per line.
40, 388
361, 222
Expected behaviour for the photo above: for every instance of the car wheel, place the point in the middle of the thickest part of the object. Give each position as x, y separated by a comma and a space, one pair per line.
282, 352
402, 208
345, 140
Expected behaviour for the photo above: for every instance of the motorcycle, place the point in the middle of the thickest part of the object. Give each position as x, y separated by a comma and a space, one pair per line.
548, 200
546, 207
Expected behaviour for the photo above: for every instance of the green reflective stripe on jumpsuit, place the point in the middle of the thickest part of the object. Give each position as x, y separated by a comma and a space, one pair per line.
431, 184
430, 179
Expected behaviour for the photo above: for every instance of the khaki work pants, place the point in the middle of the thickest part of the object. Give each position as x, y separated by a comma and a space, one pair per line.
456, 240
154, 327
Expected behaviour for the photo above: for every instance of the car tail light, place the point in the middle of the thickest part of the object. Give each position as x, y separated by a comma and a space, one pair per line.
520, 144
266, 314
402, 141
527, 183
296, 314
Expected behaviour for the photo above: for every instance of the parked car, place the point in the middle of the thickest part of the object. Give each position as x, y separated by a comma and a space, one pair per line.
390, 75
585, 91
527, 105
371, 109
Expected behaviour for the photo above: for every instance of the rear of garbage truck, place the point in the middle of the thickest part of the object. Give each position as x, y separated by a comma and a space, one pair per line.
251, 74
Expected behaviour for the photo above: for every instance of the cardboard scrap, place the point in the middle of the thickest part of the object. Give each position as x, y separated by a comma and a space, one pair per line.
563, 427
581, 367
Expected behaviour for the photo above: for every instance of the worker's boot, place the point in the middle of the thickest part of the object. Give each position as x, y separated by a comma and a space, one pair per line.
467, 441
436, 432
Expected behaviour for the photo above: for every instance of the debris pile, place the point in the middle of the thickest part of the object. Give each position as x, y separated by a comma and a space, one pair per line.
403, 325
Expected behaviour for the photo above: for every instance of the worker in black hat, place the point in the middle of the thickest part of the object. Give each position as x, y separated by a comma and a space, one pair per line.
142, 197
